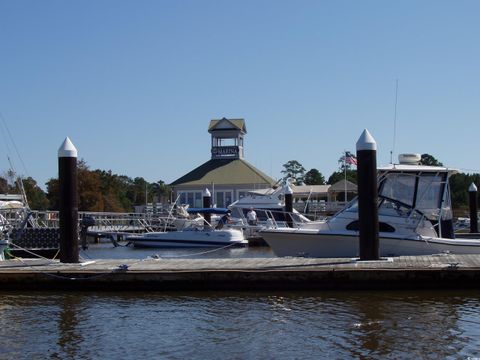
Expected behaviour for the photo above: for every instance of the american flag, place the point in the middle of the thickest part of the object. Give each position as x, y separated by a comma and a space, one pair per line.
350, 158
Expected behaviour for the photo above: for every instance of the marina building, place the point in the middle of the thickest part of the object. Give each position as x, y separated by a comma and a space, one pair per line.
227, 175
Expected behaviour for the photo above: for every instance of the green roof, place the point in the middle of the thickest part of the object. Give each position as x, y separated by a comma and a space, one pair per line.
235, 123
224, 172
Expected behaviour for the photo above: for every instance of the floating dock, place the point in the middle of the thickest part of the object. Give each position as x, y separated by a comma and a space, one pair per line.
445, 271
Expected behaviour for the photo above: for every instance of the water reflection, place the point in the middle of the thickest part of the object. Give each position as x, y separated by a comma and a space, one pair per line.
429, 323
70, 337
219, 325
107, 251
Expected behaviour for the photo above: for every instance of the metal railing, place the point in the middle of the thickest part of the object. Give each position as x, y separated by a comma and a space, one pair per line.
113, 222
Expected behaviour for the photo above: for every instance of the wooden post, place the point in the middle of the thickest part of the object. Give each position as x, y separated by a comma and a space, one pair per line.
288, 205
367, 196
473, 196
207, 202
68, 215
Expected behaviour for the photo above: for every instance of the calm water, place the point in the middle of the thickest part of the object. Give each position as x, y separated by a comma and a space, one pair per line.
231, 325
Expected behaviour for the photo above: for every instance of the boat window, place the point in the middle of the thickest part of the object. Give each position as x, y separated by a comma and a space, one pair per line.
429, 194
400, 187
447, 213
237, 213
382, 227
393, 208
353, 206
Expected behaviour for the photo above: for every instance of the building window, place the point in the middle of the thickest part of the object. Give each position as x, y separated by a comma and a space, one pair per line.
219, 198
183, 198
223, 198
192, 198
198, 199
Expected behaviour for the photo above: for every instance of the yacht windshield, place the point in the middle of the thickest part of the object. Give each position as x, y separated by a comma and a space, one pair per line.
430, 188
420, 191
399, 187
412, 194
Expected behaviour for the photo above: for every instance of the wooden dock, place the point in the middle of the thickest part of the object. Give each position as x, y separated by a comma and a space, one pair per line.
408, 272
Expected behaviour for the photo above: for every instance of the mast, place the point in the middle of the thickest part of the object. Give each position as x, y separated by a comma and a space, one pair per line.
19, 182
345, 170
394, 123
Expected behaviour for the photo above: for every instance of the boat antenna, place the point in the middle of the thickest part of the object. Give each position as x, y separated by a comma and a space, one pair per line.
10, 139
19, 183
17, 179
394, 123
170, 213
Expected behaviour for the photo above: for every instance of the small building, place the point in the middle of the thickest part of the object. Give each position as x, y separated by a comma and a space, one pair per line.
310, 192
323, 199
227, 175
341, 189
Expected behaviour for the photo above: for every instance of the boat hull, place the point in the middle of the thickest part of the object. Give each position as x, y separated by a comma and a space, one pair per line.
190, 239
293, 242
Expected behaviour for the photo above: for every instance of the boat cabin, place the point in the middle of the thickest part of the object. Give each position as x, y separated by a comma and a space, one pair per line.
413, 193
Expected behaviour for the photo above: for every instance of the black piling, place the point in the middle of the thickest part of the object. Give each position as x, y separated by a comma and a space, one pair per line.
288, 192
207, 202
367, 196
473, 201
68, 214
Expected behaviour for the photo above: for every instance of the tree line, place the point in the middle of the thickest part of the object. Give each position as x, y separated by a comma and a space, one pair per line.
98, 191
103, 191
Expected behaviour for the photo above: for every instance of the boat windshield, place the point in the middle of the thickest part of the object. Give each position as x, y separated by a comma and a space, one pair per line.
400, 193
420, 191
400, 187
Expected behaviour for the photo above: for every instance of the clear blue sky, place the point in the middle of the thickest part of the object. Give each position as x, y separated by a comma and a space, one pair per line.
134, 84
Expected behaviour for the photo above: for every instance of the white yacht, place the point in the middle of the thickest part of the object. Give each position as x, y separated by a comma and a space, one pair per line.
192, 236
269, 206
11, 210
415, 218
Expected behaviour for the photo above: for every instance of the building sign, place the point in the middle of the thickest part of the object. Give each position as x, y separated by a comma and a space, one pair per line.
227, 151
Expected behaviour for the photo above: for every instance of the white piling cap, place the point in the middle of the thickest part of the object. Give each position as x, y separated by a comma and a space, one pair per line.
206, 193
472, 188
67, 149
366, 141
287, 189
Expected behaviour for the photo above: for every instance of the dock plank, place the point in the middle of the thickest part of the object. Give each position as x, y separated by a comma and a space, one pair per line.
436, 271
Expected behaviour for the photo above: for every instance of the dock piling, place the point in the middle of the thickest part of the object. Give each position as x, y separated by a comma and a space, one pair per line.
288, 205
367, 197
473, 202
207, 202
68, 214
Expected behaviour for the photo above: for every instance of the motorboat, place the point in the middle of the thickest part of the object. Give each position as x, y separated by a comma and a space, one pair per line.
12, 213
415, 218
269, 205
192, 236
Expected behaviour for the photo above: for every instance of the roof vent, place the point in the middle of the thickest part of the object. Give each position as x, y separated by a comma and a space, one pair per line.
409, 159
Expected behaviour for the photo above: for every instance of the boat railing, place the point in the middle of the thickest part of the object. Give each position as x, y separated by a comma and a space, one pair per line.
278, 219
104, 221
319, 208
